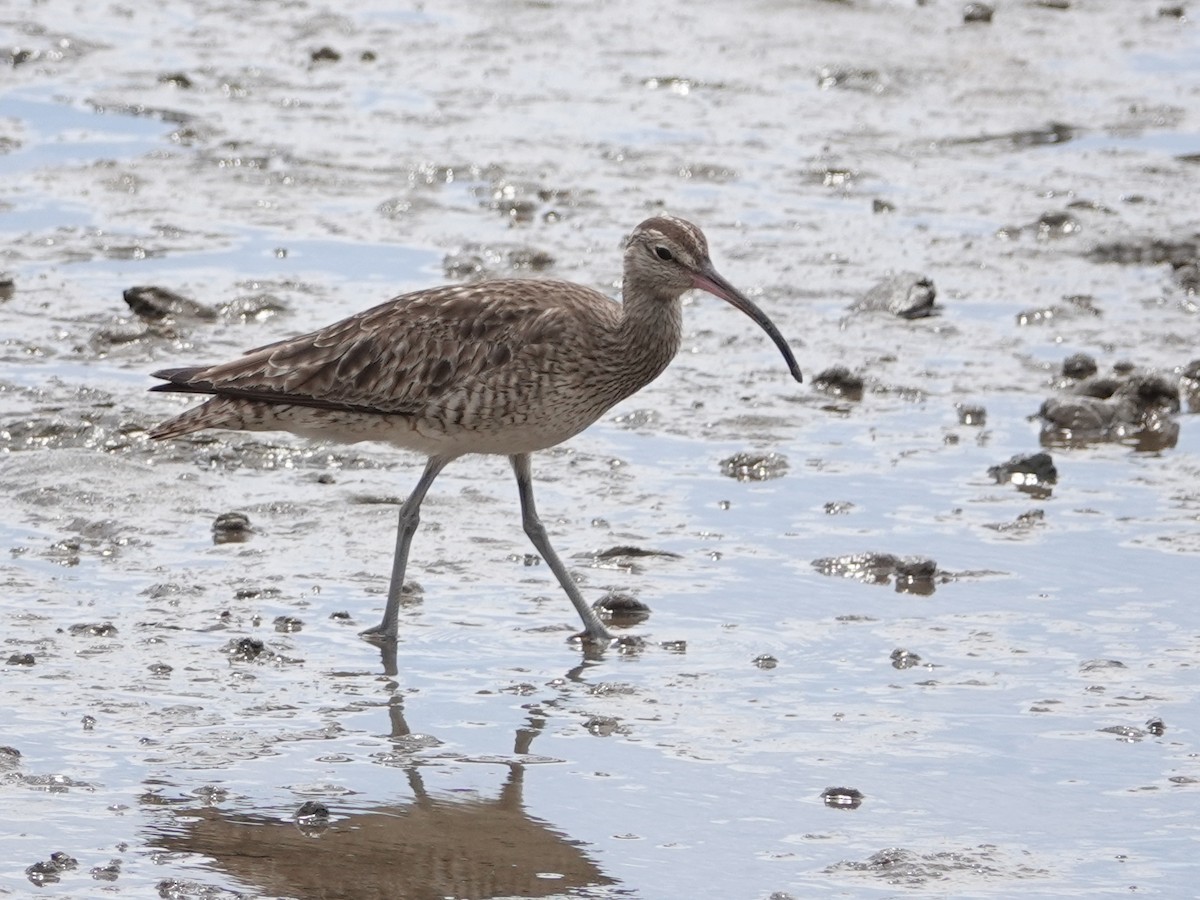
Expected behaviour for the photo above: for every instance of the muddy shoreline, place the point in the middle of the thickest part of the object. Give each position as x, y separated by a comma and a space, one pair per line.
979, 237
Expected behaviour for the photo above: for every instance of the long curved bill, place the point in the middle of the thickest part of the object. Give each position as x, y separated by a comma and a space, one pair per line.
708, 279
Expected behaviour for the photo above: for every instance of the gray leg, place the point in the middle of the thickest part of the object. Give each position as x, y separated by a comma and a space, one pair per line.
593, 628
410, 518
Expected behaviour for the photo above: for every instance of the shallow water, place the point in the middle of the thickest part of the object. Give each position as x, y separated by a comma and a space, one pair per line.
218, 151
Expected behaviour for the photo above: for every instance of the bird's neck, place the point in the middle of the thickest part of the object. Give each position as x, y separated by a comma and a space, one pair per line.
648, 338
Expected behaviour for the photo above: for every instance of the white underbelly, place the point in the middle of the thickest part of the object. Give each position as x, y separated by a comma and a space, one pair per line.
427, 437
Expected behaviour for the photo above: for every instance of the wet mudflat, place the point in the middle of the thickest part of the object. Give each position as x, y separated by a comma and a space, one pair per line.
981, 239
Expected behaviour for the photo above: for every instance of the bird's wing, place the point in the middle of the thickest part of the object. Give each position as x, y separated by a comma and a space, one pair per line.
404, 354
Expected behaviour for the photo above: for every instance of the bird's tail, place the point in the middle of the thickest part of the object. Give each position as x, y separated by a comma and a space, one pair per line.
206, 415
213, 414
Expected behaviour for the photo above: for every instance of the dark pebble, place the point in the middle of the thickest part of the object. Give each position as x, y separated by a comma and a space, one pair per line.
842, 797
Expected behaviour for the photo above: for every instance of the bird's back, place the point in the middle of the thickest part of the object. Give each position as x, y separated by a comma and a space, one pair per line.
530, 362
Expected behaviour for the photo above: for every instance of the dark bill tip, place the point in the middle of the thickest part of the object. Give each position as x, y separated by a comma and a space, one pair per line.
712, 282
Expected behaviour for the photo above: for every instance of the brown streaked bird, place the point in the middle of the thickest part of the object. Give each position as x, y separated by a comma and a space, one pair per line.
507, 367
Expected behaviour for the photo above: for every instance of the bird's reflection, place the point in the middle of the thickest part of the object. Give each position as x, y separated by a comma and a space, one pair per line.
433, 845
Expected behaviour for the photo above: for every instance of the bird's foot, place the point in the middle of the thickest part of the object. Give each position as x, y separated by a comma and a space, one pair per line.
593, 637
379, 634
606, 640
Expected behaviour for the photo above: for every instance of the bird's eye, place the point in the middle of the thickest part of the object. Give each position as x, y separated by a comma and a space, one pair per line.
663, 253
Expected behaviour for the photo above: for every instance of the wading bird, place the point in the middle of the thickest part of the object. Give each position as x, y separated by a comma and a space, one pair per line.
506, 366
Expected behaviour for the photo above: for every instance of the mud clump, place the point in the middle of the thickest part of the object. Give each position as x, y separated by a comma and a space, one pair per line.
49, 871
246, 650
624, 557
971, 414
621, 610
1051, 133
908, 295
324, 55
869, 81
1181, 254
312, 810
1123, 404
912, 574
1079, 366
755, 466
839, 381
1074, 306
842, 797
1022, 524
231, 528
253, 307
978, 13
1028, 471
93, 629
1189, 385
287, 624
904, 659
156, 304
898, 866
1048, 226
1147, 251
628, 551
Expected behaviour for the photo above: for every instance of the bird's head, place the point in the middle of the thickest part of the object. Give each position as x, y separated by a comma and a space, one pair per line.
666, 255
